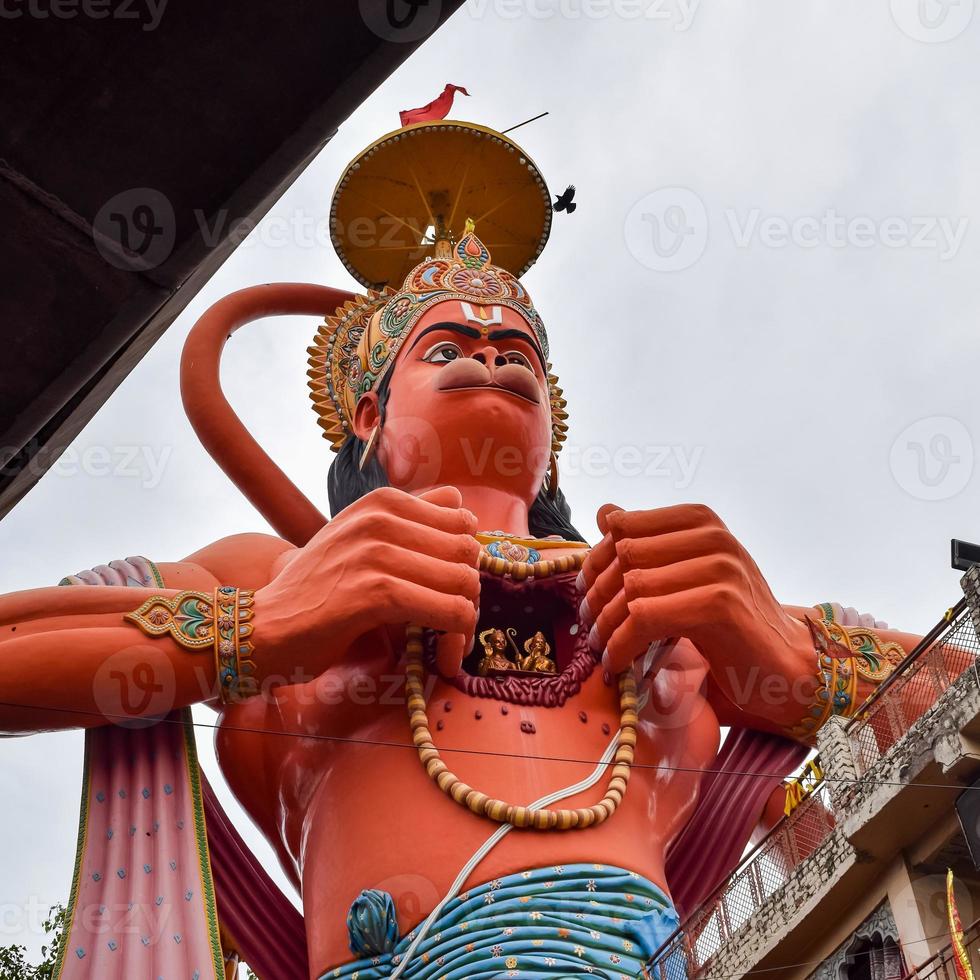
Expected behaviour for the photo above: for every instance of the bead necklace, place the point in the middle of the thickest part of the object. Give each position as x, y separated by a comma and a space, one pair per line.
482, 805
520, 558
479, 803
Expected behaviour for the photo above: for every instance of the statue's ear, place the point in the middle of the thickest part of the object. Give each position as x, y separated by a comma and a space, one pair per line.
367, 415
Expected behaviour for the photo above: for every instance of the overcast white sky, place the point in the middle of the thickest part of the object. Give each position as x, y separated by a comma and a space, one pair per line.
766, 301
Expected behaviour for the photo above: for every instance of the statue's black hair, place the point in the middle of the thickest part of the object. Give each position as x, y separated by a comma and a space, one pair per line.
347, 482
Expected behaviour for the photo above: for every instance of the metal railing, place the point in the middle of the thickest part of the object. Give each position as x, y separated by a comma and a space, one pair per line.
914, 687
942, 966
767, 868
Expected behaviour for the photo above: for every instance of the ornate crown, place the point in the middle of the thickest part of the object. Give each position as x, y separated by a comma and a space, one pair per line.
356, 347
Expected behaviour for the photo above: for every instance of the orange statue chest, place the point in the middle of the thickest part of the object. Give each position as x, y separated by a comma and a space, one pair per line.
348, 804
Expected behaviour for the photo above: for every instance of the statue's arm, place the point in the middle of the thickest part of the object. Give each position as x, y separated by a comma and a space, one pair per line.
680, 572
787, 697
69, 658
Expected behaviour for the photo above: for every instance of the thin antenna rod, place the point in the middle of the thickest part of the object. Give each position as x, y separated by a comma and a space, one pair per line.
526, 121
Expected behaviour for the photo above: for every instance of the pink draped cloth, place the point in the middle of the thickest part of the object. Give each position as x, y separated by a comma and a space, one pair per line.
730, 804
266, 928
142, 902
158, 858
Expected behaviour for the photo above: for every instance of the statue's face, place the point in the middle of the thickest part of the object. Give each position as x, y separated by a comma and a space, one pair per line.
498, 641
468, 403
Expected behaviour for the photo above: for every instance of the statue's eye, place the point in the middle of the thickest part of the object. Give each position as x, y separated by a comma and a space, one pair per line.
516, 357
442, 353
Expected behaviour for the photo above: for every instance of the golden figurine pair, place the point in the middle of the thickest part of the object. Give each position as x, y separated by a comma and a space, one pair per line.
535, 659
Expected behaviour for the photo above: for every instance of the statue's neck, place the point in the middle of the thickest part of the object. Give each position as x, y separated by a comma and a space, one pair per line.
495, 509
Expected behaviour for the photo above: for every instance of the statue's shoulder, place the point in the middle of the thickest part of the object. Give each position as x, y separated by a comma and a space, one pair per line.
246, 561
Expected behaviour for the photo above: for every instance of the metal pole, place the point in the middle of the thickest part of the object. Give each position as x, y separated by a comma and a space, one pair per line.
526, 121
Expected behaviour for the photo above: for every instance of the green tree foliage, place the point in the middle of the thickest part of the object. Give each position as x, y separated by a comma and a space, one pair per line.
13, 959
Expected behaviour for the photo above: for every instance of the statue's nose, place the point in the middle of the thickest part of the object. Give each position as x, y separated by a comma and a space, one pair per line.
490, 358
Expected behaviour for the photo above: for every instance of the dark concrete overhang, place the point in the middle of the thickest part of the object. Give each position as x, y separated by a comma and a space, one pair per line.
135, 137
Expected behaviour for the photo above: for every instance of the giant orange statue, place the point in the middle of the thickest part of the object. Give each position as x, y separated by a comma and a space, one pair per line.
479, 747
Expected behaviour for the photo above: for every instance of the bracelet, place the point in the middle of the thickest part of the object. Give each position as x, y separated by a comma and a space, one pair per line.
198, 621
837, 681
232, 646
844, 655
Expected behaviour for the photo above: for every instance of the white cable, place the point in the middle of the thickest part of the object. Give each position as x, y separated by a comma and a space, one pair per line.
502, 831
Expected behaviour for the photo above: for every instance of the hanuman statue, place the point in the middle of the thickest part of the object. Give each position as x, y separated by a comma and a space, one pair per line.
441, 819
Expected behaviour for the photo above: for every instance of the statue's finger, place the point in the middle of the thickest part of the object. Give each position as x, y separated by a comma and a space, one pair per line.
662, 520
451, 648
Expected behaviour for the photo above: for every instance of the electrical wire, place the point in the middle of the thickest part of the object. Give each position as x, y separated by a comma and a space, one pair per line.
531, 756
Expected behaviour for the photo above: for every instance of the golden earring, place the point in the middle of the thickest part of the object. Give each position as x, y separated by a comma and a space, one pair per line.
367, 453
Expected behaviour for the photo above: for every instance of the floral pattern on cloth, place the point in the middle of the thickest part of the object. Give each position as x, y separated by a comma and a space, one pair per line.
573, 920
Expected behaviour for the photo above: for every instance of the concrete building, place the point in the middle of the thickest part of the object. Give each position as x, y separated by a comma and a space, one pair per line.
852, 884
136, 141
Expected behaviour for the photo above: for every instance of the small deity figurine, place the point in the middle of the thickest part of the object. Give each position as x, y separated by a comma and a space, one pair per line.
495, 655
537, 655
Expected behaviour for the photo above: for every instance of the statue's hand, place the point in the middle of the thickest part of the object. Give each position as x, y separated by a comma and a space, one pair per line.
678, 571
388, 559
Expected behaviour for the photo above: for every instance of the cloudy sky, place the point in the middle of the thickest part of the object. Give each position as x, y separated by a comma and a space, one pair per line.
766, 301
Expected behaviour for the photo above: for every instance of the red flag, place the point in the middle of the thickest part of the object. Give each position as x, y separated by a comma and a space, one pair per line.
961, 959
436, 109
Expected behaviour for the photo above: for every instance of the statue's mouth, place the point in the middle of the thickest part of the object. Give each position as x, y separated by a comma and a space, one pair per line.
495, 387
469, 374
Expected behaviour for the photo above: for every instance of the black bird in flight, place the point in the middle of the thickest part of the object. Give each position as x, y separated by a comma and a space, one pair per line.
566, 201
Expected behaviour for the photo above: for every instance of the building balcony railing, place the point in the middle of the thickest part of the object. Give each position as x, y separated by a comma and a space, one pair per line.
914, 687
942, 966
928, 671
766, 869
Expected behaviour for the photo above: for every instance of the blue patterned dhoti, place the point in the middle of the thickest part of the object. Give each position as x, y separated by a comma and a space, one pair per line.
580, 919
